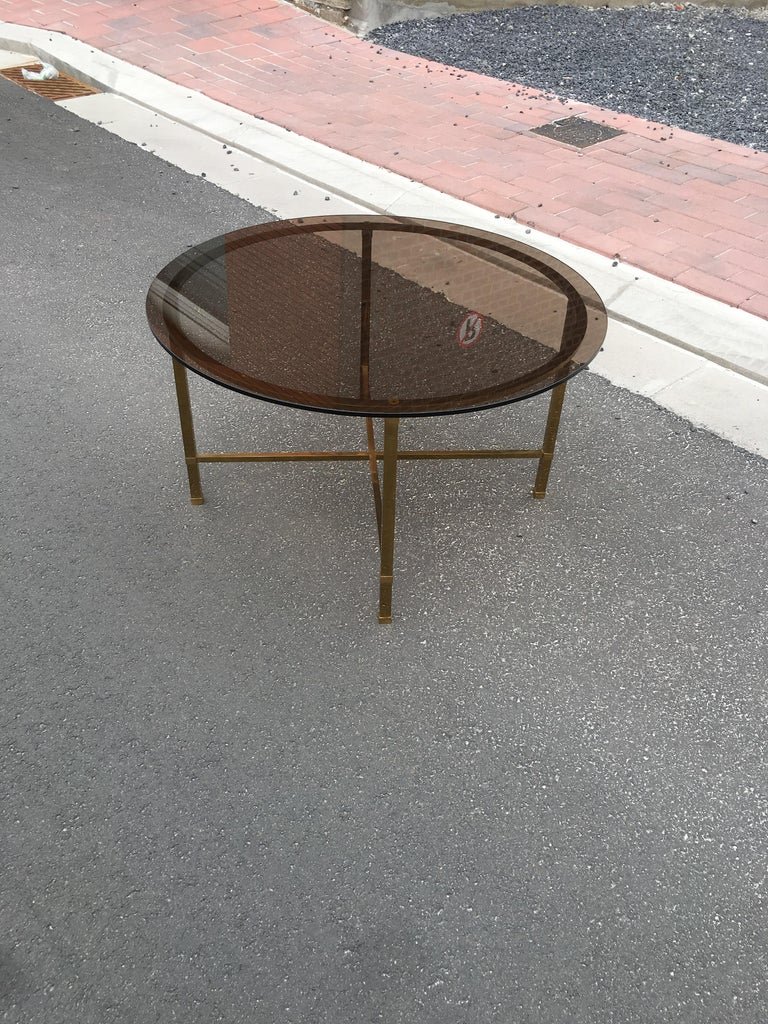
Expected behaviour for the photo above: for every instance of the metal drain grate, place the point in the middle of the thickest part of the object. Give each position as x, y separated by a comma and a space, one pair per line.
62, 88
577, 131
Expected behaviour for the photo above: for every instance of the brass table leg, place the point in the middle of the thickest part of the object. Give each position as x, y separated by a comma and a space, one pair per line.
384, 492
387, 533
550, 438
187, 432
373, 466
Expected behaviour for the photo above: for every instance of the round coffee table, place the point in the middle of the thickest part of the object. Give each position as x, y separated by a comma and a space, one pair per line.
380, 318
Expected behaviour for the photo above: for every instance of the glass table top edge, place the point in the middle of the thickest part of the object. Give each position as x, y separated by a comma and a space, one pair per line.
519, 390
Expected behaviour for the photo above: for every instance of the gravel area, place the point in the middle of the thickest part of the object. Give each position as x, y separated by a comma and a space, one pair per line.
703, 69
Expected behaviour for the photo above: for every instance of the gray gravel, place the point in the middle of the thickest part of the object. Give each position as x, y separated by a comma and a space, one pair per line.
702, 69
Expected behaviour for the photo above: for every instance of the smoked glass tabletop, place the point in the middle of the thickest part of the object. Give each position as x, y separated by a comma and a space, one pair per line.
376, 316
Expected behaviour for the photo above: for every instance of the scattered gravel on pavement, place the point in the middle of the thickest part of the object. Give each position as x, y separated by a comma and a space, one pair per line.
703, 69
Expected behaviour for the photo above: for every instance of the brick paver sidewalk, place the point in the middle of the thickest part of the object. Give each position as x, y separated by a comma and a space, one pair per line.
679, 205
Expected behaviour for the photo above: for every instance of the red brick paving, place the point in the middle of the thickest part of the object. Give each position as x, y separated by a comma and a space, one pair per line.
679, 205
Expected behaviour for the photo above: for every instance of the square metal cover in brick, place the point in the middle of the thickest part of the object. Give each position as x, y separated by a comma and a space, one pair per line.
577, 131
65, 87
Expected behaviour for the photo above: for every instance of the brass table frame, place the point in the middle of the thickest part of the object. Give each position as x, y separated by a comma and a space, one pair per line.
384, 493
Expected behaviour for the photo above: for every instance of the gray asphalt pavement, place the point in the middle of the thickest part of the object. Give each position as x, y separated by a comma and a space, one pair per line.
539, 797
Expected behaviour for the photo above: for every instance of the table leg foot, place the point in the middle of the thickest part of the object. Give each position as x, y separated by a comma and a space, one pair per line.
195, 488
385, 599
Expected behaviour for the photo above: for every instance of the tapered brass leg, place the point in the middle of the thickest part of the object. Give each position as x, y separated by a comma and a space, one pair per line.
187, 432
373, 466
550, 438
387, 533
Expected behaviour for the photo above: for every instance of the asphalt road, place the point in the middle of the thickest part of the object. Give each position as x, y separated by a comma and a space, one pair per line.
539, 797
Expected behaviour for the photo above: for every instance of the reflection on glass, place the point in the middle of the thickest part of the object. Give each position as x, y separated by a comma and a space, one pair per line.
376, 315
